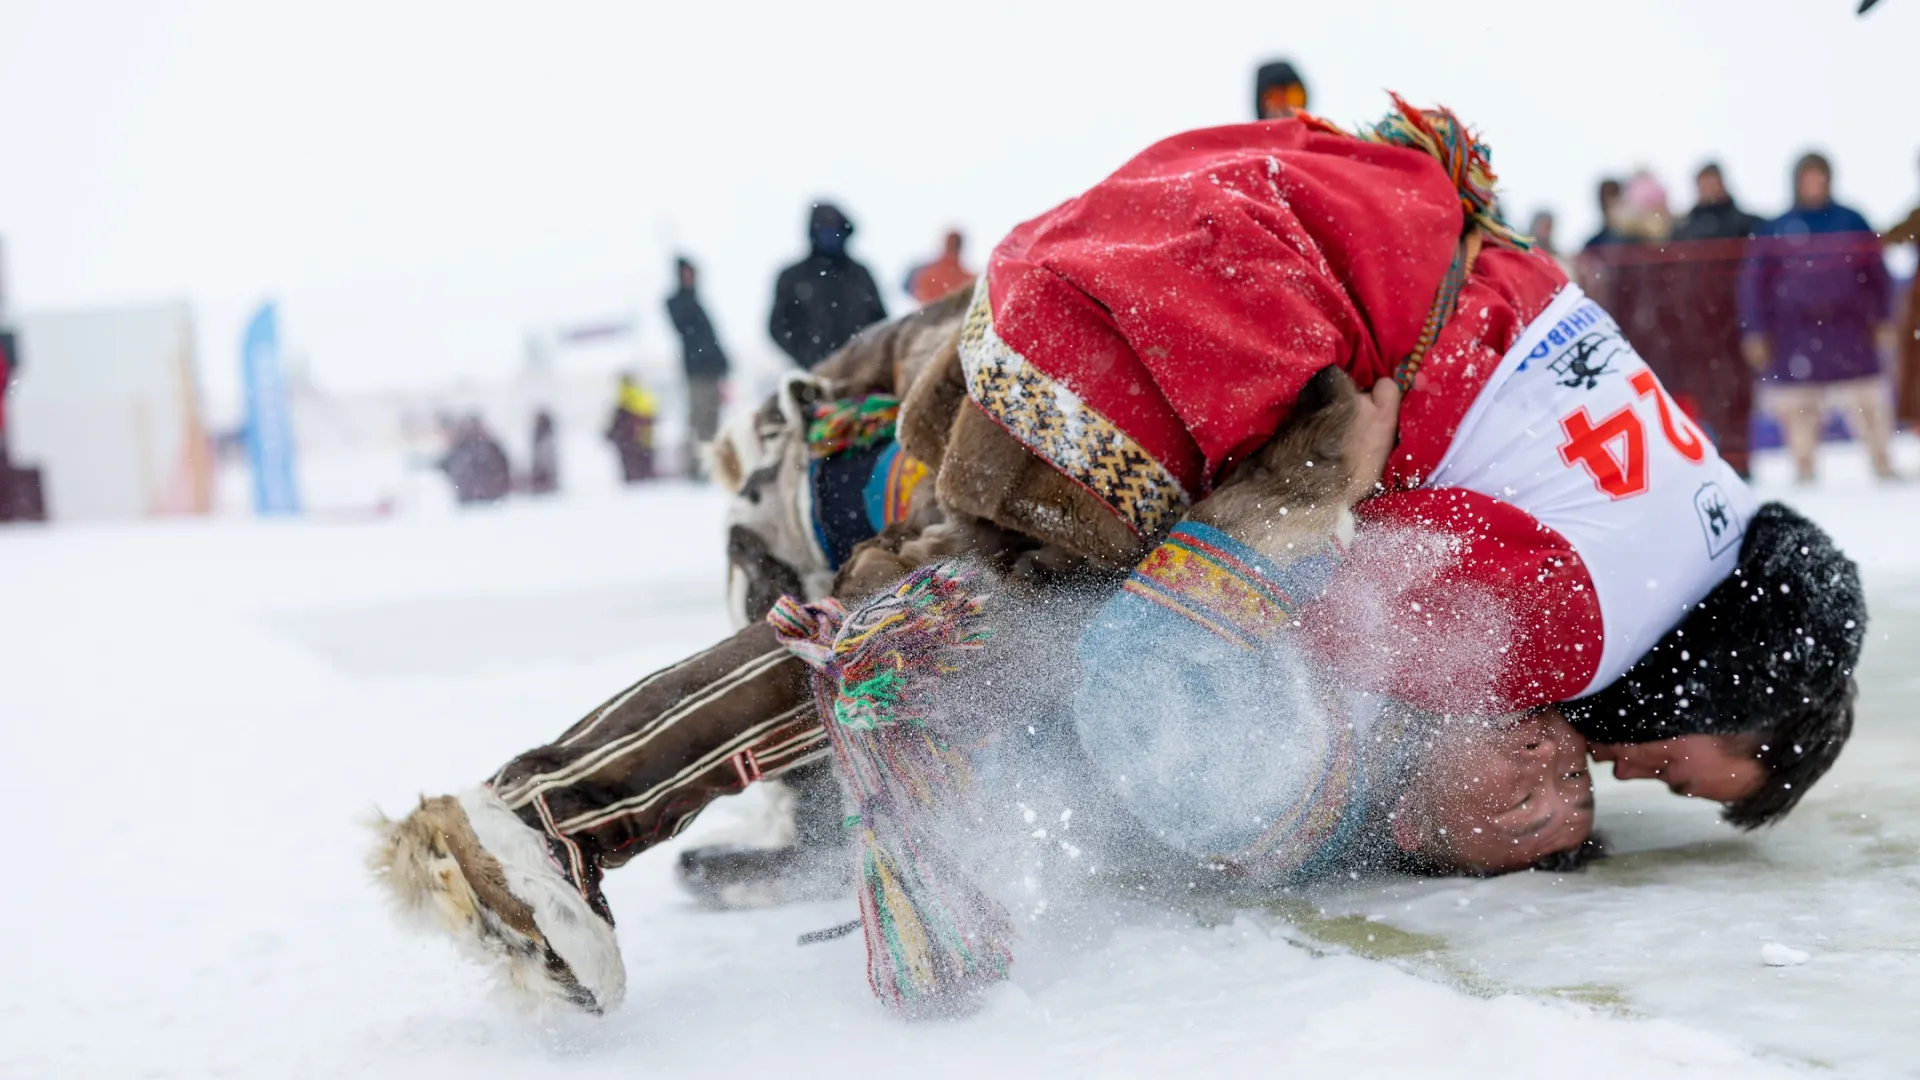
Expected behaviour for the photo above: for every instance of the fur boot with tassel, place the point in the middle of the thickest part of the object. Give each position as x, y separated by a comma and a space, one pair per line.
468, 866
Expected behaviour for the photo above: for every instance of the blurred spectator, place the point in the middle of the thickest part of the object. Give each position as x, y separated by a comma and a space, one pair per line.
1715, 216
1590, 271
820, 302
1906, 349
9, 366
1641, 214
1813, 294
1609, 213
700, 357
1278, 91
931, 281
1708, 377
1635, 279
631, 429
543, 468
475, 462
1541, 229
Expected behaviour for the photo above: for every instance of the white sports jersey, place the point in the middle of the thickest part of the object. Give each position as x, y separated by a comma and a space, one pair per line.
1574, 429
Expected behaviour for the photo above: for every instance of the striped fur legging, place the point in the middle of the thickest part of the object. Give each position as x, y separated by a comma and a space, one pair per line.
639, 768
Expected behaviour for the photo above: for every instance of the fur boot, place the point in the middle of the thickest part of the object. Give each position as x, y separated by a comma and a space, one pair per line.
469, 866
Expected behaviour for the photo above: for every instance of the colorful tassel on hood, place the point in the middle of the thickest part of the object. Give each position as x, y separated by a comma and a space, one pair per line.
1469, 162
933, 938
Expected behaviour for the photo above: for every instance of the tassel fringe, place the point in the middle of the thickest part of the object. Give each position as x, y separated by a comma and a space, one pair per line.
1469, 163
933, 938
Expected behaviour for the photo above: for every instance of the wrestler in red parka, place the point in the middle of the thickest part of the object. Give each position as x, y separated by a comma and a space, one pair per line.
1145, 336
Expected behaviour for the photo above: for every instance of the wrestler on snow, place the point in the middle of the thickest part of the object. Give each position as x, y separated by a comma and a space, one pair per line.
1179, 395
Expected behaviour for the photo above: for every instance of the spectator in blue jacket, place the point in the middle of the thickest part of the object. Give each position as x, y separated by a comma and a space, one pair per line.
1814, 294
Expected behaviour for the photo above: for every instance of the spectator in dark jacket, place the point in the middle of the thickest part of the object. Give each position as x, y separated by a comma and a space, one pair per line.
824, 299
1715, 216
702, 360
1610, 195
1814, 294
1590, 269
1711, 381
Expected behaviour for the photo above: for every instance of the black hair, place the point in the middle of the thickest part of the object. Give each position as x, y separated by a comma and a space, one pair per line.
1711, 168
1770, 651
1573, 860
1797, 753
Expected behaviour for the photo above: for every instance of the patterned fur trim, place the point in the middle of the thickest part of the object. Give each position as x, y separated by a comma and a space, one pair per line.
1053, 422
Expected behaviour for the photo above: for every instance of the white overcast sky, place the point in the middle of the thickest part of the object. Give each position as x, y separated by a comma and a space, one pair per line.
421, 183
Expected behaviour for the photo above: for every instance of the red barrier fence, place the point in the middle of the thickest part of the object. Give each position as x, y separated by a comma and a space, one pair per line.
1677, 304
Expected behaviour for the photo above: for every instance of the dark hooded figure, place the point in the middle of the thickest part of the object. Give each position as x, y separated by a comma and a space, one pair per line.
824, 299
476, 463
701, 358
543, 470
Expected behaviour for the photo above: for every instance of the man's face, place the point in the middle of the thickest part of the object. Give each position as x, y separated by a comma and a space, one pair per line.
1280, 102
1724, 768
1811, 187
1498, 798
1711, 188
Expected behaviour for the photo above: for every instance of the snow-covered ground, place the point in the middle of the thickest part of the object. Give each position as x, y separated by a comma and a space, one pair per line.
194, 715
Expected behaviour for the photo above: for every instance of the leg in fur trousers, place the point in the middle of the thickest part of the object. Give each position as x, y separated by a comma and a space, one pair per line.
512, 869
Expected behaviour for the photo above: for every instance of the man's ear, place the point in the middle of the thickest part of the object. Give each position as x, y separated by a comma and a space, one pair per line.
1409, 825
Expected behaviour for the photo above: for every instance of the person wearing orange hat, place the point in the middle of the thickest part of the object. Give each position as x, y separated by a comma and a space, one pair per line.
1278, 91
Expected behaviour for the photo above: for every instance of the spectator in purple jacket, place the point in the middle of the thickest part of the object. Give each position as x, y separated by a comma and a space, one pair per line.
1814, 294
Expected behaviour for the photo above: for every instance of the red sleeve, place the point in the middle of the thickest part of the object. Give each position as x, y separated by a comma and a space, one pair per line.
1457, 602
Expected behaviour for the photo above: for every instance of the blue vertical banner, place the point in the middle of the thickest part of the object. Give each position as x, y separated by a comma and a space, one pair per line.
269, 423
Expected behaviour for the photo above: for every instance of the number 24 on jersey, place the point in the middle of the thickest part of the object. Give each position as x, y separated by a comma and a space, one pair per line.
1614, 449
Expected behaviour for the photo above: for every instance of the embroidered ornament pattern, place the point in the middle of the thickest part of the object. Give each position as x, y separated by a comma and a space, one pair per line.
1053, 422
1198, 581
